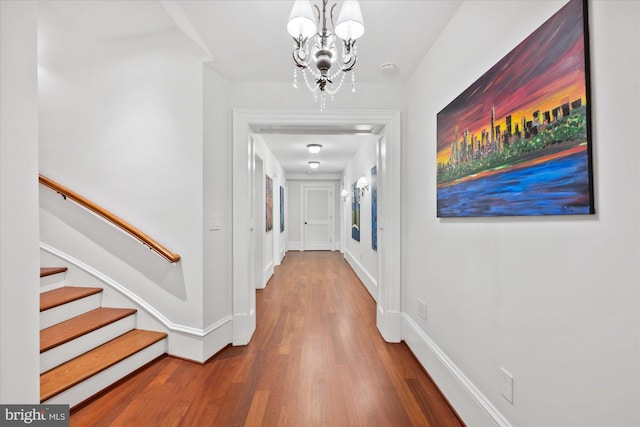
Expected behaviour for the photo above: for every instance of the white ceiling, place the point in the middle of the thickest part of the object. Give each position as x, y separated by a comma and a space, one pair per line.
291, 151
248, 42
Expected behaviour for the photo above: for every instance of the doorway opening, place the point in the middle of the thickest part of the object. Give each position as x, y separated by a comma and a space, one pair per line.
387, 125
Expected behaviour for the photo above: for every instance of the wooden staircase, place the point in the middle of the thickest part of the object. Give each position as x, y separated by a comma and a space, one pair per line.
84, 347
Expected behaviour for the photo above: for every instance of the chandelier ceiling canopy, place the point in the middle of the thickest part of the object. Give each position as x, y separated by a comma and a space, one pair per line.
315, 49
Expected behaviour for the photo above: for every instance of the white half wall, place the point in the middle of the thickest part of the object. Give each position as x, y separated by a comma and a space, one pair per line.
553, 300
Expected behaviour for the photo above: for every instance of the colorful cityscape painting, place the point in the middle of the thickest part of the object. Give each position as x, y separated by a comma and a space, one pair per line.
518, 140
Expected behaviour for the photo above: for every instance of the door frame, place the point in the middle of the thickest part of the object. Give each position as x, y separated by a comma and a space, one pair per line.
245, 122
303, 209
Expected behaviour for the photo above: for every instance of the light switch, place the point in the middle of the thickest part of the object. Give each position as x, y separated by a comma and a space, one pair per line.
214, 223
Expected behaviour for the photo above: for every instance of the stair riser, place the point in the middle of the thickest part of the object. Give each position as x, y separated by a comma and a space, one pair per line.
58, 355
64, 312
104, 379
51, 282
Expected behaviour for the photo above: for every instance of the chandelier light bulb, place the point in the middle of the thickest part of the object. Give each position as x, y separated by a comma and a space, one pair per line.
314, 165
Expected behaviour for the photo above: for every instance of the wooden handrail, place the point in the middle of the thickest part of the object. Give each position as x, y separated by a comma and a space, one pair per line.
117, 221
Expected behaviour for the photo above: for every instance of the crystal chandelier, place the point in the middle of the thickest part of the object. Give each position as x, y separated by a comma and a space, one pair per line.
321, 60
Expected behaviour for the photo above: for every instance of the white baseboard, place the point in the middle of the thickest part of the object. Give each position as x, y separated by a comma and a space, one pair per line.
470, 404
389, 324
365, 277
218, 338
266, 274
293, 246
244, 325
201, 348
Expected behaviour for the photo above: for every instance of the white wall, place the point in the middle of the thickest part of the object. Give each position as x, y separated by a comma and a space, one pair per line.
553, 300
19, 326
293, 216
360, 254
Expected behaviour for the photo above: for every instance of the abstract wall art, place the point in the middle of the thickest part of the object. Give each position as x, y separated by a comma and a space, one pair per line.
518, 140
281, 209
374, 208
269, 204
355, 213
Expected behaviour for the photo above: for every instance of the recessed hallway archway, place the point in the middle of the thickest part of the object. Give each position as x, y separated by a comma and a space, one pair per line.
245, 122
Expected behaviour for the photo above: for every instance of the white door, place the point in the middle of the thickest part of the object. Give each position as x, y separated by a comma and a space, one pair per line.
317, 218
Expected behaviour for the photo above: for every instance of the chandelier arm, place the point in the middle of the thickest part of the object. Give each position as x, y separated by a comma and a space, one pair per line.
300, 41
348, 50
318, 14
300, 62
299, 53
324, 17
349, 65
333, 24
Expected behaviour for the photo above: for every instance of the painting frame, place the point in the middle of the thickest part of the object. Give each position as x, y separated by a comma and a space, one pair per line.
518, 141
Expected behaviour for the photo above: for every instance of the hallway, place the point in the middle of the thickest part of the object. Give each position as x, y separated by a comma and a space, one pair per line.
316, 359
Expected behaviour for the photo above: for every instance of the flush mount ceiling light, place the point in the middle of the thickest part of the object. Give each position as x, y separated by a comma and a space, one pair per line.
314, 148
322, 61
314, 165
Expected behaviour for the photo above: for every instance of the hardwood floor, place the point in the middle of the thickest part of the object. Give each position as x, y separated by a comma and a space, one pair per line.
316, 359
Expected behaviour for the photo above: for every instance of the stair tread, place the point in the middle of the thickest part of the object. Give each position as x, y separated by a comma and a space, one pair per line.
80, 325
64, 295
95, 361
48, 271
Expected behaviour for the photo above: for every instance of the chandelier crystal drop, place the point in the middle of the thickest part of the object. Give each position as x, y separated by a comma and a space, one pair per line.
315, 51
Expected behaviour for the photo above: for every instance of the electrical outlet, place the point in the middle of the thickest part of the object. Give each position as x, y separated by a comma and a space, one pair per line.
506, 389
422, 309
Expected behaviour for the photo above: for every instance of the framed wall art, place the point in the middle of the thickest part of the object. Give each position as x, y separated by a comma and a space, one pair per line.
269, 204
374, 208
518, 140
281, 209
355, 213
